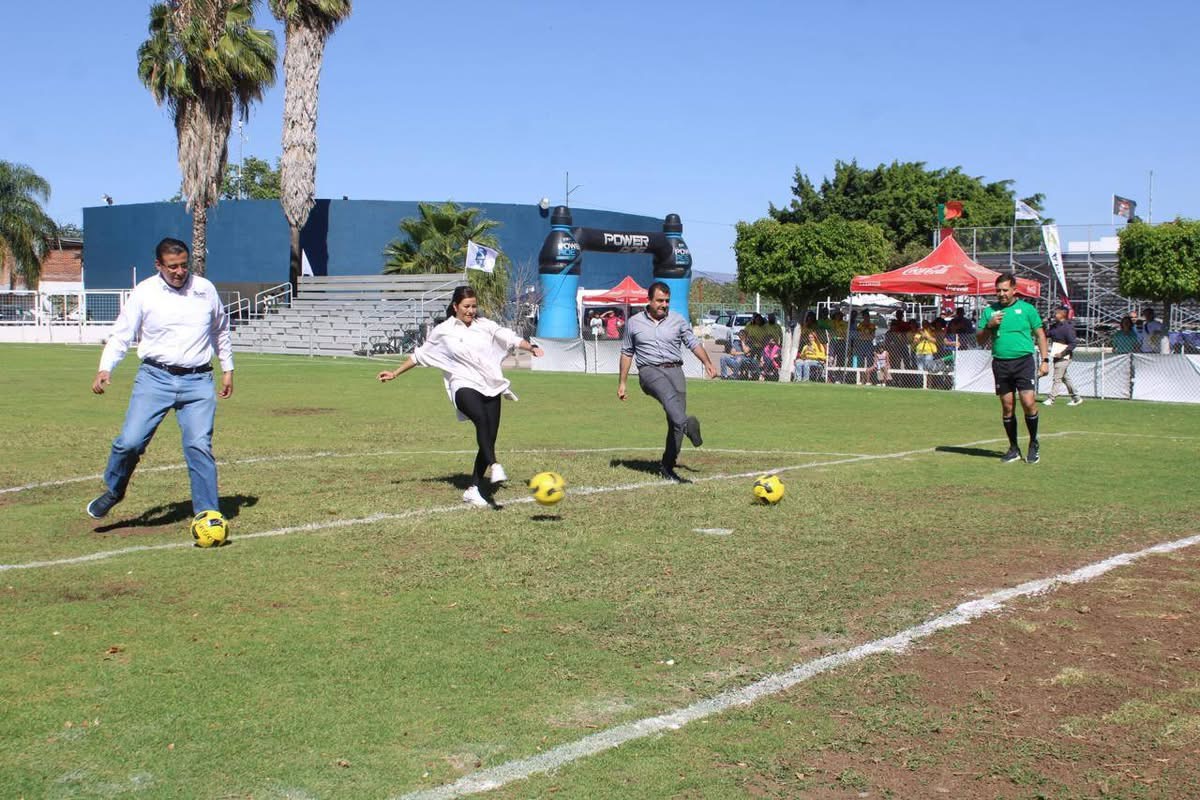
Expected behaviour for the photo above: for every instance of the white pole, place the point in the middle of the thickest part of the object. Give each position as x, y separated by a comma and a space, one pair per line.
1150, 204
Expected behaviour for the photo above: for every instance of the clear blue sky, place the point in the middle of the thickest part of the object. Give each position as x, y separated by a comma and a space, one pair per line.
701, 108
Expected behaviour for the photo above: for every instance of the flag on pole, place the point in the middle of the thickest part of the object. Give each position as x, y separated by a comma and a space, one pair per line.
1023, 210
1123, 206
480, 257
1054, 252
949, 210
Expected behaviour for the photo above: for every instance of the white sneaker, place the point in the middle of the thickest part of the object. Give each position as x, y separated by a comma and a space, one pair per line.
1049, 401
498, 475
1075, 401
472, 497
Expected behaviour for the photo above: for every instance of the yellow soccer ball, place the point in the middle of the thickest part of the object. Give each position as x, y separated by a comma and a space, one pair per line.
548, 488
210, 529
768, 489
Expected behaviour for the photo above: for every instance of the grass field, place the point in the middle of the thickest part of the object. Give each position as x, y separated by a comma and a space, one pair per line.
364, 635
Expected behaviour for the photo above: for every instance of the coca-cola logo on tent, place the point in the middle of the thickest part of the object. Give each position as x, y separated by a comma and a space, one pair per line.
925, 270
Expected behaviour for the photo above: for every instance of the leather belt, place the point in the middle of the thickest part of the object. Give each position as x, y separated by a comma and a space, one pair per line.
177, 370
667, 364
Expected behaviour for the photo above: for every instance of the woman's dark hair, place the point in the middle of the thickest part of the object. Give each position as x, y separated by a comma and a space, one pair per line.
460, 293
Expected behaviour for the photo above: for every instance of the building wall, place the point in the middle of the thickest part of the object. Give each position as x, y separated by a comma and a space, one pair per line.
63, 265
248, 239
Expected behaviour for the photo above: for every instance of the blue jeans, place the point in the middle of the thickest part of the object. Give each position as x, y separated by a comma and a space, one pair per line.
732, 365
155, 392
804, 367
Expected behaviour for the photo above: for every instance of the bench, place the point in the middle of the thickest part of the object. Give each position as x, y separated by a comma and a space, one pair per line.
926, 377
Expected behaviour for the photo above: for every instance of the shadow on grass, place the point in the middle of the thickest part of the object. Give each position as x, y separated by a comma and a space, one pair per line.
458, 481
650, 467
172, 513
969, 451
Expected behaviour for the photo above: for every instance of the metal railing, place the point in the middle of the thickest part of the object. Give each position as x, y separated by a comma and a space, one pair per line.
269, 299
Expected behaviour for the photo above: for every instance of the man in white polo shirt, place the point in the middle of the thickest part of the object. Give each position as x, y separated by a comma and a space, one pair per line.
180, 322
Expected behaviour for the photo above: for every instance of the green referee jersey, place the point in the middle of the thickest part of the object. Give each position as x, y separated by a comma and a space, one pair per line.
1014, 337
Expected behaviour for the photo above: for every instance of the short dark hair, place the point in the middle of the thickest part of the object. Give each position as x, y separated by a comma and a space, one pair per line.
171, 246
1007, 277
657, 286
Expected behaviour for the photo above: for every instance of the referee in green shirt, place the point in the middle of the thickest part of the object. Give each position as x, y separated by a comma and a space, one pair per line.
1013, 327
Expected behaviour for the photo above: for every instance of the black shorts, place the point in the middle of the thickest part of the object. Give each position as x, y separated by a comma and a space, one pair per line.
1015, 374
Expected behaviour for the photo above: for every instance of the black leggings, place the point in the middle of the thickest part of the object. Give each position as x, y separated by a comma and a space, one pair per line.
484, 411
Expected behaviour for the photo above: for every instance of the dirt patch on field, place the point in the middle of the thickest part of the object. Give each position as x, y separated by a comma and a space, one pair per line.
1089, 691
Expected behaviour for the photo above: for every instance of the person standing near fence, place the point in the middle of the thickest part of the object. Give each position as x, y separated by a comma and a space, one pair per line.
180, 323
469, 349
1062, 345
653, 340
1014, 330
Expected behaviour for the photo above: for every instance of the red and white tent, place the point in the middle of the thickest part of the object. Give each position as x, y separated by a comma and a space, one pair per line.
627, 293
948, 270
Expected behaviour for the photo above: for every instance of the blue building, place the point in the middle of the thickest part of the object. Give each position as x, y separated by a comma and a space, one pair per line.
248, 239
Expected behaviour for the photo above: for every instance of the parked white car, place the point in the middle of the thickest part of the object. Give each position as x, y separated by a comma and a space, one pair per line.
729, 324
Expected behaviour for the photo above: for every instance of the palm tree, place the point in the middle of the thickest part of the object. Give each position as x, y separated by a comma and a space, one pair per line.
436, 241
25, 228
205, 61
307, 26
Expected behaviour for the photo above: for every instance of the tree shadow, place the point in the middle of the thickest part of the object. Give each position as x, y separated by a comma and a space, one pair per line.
969, 451
172, 513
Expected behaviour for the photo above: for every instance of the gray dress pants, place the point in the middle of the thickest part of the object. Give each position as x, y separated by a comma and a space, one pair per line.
668, 387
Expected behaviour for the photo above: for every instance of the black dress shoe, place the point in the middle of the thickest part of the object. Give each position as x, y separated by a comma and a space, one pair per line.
691, 429
669, 473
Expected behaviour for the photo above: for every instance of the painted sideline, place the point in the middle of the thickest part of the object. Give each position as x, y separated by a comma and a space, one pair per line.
420, 512
495, 777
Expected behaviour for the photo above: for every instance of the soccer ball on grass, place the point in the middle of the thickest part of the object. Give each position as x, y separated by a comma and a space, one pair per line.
210, 529
548, 488
768, 489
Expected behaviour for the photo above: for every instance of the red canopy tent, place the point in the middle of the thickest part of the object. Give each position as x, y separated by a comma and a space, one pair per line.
627, 292
948, 270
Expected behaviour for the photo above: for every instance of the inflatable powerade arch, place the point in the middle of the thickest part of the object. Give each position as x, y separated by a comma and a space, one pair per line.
562, 255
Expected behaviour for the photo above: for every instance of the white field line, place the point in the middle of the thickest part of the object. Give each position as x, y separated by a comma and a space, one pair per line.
421, 512
520, 769
380, 453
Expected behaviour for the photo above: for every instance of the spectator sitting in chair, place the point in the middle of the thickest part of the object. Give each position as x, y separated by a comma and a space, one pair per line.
736, 358
812, 354
769, 366
881, 365
925, 346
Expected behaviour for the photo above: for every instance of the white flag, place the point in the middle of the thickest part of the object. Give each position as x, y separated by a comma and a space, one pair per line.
1025, 211
1054, 253
305, 267
480, 257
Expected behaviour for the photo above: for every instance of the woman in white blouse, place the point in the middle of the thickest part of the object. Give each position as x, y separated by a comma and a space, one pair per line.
468, 349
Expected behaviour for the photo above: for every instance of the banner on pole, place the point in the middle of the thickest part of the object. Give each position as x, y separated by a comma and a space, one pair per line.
481, 257
1054, 253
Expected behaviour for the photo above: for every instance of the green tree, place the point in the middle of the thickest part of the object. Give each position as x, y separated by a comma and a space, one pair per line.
798, 263
1160, 263
435, 241
253, 179
204, 60
901, 198
25, 228
307, 26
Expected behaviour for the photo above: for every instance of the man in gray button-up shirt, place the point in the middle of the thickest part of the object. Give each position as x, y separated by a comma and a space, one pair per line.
653, 339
